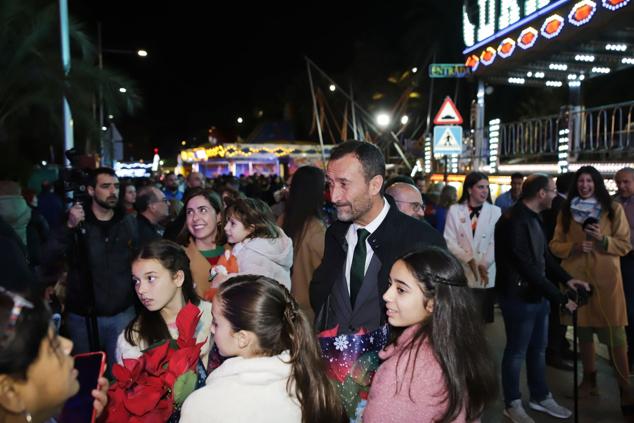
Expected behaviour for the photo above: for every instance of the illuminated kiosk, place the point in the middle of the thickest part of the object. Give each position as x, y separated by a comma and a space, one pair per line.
558, 44
278, 158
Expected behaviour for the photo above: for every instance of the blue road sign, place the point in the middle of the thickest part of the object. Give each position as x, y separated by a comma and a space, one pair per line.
447, 139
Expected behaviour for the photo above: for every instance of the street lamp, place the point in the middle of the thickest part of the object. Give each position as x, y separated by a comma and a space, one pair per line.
108, 152
383, 120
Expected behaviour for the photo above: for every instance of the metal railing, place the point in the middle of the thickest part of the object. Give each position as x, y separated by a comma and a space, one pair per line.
606, 130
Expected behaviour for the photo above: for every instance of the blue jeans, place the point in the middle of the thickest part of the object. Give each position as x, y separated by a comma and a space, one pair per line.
526, 326
109, 328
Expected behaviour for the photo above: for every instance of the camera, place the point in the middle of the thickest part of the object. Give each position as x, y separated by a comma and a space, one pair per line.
75, 179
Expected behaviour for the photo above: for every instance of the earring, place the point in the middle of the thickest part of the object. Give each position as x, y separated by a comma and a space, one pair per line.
27, 416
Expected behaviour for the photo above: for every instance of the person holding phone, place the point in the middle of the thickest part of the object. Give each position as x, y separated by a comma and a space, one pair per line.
591, 235
37, 374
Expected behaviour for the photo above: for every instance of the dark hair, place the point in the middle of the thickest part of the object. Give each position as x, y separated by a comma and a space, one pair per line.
472, 179
454, 332
256, 213
371, 159
123, 187
20, 339
600, 192
448, 196
564, 181
148, 325
305, 201
517, 175
265, 307
93, 175
213, 198
144, 198
533, 184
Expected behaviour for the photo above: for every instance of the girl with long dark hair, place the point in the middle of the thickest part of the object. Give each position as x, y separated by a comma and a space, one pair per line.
591, 235
163, 283
439, 368
302, 221
276, 374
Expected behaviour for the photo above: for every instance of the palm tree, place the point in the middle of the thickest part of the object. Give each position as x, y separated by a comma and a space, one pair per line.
32, 83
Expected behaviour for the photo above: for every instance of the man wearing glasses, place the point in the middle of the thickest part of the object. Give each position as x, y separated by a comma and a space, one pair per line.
153, 209
408, 199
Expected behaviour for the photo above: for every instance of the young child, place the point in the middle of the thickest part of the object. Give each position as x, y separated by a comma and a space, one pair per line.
260, 246
276, 374
438, 369
163, 283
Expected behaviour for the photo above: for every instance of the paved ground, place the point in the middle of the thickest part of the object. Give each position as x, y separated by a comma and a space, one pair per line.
602, 409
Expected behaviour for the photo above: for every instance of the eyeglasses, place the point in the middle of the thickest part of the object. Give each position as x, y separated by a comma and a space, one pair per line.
162, 200
417, 207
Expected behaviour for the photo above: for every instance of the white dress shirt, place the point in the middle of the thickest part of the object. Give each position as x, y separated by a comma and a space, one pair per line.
351, 239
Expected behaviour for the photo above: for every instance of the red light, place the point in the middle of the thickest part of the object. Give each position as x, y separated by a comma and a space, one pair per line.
472, 62
527, 38
506, 48
488, 56
155, 150
582, 12
552, 26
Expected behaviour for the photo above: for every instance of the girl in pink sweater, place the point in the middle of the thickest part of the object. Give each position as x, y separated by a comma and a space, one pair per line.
438, 369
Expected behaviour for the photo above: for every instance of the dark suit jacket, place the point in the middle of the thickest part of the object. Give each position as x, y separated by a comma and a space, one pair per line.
397, 235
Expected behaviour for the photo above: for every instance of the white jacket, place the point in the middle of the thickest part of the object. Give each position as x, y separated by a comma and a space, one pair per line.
479, 246
245, 390
271, 257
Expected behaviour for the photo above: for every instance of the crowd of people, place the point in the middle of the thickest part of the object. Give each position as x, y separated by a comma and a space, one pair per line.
273, 265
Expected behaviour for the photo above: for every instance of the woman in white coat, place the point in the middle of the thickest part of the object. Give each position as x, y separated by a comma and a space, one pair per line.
469, 235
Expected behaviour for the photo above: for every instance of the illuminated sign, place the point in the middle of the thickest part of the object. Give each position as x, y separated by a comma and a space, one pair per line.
448, 70
484, 18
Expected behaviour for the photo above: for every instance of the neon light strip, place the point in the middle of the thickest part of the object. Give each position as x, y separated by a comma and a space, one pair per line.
516, 25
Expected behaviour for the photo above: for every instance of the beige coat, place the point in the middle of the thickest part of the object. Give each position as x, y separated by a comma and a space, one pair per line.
199, 267
308, 252
600, 268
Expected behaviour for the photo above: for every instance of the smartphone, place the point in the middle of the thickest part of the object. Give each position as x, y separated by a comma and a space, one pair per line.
78, 409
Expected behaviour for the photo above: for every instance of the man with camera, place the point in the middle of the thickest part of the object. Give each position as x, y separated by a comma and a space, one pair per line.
98, 241
525, 268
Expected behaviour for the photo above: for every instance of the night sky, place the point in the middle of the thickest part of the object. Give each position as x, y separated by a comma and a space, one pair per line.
209, 63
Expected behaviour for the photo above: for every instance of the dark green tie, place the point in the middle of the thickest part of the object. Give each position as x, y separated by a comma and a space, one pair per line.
357, 270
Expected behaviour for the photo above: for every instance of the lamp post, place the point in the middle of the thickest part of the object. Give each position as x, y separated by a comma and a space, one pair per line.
107, 147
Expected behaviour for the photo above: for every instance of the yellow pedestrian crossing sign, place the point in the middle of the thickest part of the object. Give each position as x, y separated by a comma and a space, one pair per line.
447, 140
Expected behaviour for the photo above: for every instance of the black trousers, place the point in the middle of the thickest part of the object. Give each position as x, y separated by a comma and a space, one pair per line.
485, 300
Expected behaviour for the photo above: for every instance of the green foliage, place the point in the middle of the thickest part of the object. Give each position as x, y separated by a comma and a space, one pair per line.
32, 80
184, 385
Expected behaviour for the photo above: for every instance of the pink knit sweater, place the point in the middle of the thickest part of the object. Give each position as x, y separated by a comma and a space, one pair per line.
422, 400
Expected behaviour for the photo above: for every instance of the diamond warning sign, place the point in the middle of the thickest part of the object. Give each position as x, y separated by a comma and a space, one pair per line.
448, 114
447, 140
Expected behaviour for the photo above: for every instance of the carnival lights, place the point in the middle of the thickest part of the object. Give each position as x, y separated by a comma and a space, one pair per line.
554, 83
473, 61
627, 60
616, 47
552, 26
494, 139
582, 12
527, 38
584, 58
558, 66
600, 69
515, 80
506, 48
488, 56
615, 4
